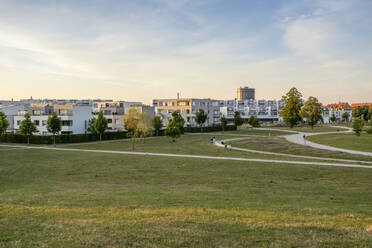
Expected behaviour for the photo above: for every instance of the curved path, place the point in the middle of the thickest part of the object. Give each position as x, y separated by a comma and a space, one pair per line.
299, 139
192, 156
219, 143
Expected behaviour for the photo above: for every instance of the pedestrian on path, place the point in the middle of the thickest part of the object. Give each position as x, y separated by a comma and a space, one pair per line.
304, 139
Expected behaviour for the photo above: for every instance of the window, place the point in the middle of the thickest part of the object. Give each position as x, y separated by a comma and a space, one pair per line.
95, 105
109, 120
37, 122
67, 123
44, 122
18, 122
187, 111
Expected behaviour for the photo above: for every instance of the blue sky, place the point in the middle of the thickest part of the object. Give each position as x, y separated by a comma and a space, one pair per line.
140, 50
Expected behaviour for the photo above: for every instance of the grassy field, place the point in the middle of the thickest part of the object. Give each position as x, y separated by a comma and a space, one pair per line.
308, 129
278, 144
190, 144
250, 131
347, 141
70, 199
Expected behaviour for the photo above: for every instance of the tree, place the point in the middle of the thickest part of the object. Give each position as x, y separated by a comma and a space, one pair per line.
90, 128
173, 129
370, 113
157, 123
223, 123
200, 118
100, 125
345, 116
361, 111
291, 110
179, 120
358, 125
137, 124
4, 123
238, 119
312, 111
333, 118
54, 125
27, 127
253, 121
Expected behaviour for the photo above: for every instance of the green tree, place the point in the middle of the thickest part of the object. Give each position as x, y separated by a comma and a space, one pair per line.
358, 125
54, 125
157, 123
361, 111
333, 118
238, 121
27, 127
223, 123
179, 120
90, 128
4, 123
370, 113
253, 121
345, 116
312, 111
291, 110
100, 125
200, 118
137, 124
173, 129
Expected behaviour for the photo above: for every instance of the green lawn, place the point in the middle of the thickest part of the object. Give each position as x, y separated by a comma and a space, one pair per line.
347, 141
250, 131
81, 199
189, 144
281, 145
316, 129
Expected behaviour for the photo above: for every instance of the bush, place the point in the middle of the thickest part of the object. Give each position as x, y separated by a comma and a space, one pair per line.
358, 125
369, 130
214, 128
61, 139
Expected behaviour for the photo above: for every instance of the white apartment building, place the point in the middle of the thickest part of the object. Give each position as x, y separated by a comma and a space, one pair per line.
264, 110
114, 111
75, 118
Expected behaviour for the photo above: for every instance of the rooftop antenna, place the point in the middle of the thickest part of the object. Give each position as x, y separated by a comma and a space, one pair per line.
178, 95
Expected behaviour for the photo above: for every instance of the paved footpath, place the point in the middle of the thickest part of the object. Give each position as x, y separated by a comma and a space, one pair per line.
298, 139
219, 143
192, 156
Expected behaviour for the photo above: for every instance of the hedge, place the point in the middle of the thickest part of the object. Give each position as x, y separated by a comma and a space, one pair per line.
214, 128
61, 139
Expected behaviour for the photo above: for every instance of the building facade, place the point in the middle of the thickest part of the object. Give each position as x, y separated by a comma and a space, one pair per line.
75, 118
246, 93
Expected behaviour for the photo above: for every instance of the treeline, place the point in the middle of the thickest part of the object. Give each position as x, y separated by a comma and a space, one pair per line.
296, 111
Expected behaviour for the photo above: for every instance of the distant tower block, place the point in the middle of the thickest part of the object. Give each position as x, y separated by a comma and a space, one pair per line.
246, 93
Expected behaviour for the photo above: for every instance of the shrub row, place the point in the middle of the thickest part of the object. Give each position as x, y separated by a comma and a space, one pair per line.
61, 139
214, 128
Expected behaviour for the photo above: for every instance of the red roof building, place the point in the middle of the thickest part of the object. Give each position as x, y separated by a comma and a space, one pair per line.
339, 106
354, 105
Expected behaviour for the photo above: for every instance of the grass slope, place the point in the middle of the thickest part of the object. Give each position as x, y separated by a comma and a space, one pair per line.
69, 199
316, 129
347, 141
281, 145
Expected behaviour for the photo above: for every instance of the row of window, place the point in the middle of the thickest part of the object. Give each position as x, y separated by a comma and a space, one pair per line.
44, 123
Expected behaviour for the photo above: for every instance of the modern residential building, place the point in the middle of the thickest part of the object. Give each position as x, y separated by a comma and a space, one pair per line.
245, 93
187, 107
11, 110
114, 112
75, 118
262, 109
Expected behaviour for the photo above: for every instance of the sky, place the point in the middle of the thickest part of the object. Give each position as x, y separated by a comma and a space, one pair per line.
147, 49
